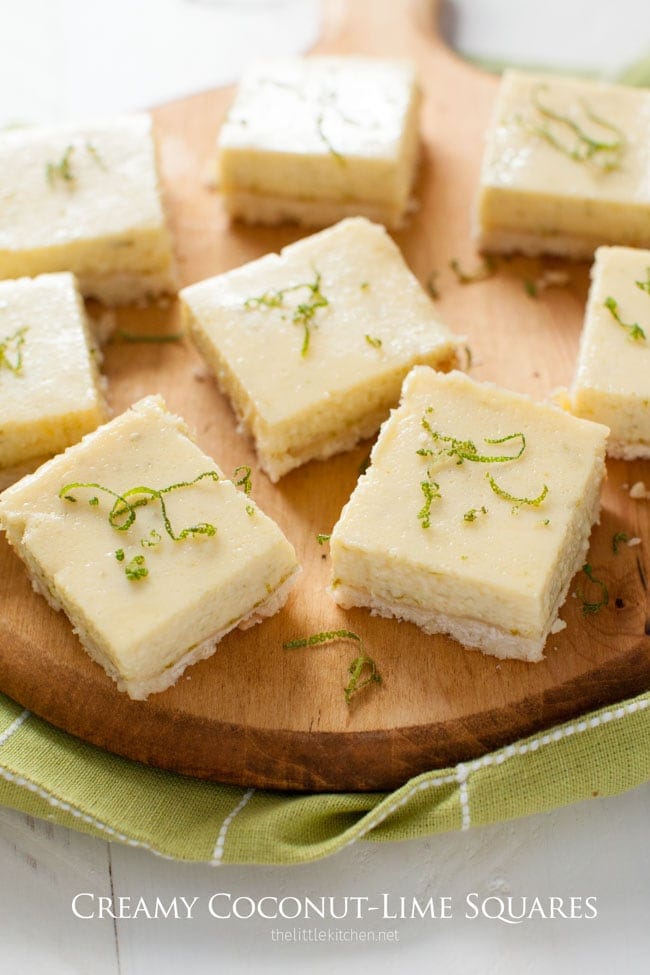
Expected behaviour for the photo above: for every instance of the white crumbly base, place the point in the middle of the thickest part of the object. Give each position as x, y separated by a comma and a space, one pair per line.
628, 451
139, 690
533, 245
124, 288
469, 632
472, 633
272, 210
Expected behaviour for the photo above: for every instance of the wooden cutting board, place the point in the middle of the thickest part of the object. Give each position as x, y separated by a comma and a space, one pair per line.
258, 715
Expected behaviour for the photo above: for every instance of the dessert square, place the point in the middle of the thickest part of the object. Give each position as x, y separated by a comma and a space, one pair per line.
50, 388
317, 139
153, 556
473, 516
86, 199
566, 167
612, 380
311, 345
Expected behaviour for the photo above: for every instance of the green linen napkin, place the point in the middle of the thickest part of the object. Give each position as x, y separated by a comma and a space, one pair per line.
636, 74
50, 774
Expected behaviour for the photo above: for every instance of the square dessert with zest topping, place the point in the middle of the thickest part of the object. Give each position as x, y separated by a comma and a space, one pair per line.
317, 139
150, 551
86, 198
612, 380
311, 345
50, 387
474, 515
566, 167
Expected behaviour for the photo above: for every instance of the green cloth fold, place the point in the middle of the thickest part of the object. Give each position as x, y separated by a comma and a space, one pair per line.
636, 74
51, 775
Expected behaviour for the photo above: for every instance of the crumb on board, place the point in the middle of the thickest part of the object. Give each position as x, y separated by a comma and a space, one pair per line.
639, 491
553, 279
103, 325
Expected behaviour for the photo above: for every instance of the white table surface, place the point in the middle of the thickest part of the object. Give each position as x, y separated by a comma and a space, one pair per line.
64, 58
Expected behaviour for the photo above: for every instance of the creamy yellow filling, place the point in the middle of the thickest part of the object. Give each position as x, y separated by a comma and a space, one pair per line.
542, 180
338, 129
612, 380
482, 557
372, 323
84, 199
195, 585
55, 396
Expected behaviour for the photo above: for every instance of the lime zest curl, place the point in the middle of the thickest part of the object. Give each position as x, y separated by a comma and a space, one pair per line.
590, 607
516, 502
633, 329
602, 154
12, 345
124, 507
356, 668
304, 312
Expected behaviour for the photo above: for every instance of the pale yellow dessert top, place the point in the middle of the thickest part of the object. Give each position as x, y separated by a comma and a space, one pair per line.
42, 328
519, 157
511, 549
611, 359
376, 318
65, 183
74, 544
334, 106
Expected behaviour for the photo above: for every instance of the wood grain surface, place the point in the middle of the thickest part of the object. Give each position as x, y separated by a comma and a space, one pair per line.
255, 714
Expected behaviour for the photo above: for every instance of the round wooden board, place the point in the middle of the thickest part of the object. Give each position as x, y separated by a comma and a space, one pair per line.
258, 715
